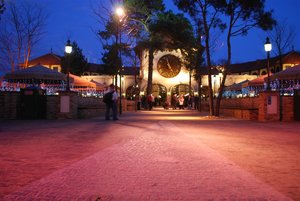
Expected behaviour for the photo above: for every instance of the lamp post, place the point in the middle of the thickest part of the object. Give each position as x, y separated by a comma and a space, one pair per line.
268, 48
120, 13
68, 51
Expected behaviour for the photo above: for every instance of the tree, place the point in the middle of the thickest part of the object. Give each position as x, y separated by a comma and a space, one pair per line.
77, 62
282, 37
205, 14
2, 7
140, 14
243, 15
21, 30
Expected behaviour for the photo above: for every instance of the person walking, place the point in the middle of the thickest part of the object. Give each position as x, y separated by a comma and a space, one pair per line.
181, 102
110, 99
150, 100
174, 101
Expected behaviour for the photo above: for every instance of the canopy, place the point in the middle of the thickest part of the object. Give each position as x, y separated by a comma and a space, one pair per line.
236, 86
256, 82
79, 82
292, 73
99, 86
35, 74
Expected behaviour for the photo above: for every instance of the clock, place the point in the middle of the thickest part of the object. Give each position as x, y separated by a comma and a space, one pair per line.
168, 66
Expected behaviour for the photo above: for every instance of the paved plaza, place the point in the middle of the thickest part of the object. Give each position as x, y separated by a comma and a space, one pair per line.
149, 155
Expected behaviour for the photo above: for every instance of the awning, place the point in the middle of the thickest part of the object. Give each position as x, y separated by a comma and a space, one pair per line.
79, 82
100, 86
35, 74
236, 86
256, 82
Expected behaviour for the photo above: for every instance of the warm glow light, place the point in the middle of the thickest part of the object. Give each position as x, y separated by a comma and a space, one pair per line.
268, 45
68, 47
120, 11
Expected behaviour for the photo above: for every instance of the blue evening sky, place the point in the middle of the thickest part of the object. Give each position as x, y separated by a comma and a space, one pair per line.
75, 19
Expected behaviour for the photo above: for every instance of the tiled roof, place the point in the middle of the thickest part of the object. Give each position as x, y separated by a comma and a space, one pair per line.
292, 73
47, 59
96, 68
130, 71
290, 57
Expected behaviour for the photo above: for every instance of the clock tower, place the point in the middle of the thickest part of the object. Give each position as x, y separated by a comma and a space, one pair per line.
169, 76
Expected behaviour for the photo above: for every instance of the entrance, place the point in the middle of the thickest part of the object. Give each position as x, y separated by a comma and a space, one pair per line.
33, 104
181, 89
160, 94
297, 105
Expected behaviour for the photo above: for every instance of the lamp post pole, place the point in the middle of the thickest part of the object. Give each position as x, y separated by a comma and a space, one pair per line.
120, 13
68, 51
268, 48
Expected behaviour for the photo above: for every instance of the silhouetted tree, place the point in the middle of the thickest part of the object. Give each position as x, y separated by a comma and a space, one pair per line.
21, 30
76, 61
283, 38
242, 15
2, 7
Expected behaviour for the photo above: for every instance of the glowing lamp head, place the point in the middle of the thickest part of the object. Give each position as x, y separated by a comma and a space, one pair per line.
120, 12
268, 45
68, 47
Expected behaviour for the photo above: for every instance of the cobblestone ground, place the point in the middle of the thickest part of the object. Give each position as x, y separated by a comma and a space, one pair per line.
150, 155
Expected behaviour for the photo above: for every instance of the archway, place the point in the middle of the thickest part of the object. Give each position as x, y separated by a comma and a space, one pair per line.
131, 92
181, 89
159, 92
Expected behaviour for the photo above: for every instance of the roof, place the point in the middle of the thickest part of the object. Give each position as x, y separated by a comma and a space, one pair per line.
97, 68
292, 73
47, 59
37, 72
256, 82
292, 57
130, 71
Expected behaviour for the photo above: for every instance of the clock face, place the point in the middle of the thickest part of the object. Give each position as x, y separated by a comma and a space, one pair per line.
168, 66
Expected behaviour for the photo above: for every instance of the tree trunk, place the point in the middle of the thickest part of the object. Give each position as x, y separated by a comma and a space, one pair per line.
207, 50
200, 94
225, 71
150, 71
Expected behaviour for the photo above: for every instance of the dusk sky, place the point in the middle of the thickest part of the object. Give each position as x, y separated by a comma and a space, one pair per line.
75, 19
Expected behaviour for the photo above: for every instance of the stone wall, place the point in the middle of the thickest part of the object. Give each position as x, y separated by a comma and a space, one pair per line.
90, 107
86, 107
9, 105
287, 108
52, 107
248, 108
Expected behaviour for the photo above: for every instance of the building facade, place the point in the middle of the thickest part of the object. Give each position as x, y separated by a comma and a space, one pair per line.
170, 76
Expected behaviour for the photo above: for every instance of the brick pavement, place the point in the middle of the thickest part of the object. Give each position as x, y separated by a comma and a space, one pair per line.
161, 162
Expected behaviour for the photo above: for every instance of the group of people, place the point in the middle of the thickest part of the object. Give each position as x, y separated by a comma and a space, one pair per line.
182, 101
111, 96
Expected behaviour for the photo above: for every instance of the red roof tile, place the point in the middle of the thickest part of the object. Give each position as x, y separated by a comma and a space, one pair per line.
47, 59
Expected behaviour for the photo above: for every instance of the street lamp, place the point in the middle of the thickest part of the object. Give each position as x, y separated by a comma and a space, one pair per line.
268, 48
68, 51
120, 13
